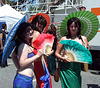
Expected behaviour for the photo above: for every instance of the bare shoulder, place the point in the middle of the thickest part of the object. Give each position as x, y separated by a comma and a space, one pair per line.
35, 35
22, 47
36, 32
83, 37
63, 38
85, 41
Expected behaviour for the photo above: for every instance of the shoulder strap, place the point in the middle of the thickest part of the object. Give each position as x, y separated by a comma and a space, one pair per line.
29, 44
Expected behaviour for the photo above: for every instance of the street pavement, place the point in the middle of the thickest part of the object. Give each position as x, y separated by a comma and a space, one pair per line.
90, 79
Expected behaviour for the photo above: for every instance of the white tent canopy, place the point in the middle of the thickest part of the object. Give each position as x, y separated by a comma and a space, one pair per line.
10, 16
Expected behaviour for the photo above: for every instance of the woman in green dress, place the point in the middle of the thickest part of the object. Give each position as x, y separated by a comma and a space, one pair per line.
70, 71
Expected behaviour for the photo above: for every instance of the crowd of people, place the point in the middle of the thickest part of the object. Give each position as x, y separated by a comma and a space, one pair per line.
28, 63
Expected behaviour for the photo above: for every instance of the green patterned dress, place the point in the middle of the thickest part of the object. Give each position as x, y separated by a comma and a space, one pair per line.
70, 74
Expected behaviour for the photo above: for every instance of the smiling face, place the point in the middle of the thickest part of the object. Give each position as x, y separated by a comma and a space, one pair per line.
40, 23
73, 29
28, 33
39, 26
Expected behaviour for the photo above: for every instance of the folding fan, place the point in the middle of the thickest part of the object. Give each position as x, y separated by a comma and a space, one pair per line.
76, 52
47, 18
89, 23
45, 42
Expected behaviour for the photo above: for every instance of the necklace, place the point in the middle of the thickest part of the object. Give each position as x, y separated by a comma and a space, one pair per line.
74, 37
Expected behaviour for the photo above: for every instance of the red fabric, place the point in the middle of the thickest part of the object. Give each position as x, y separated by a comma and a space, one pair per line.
39, 72
38, 68
41, 40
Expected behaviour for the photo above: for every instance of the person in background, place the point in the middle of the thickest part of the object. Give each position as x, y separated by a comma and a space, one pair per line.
71, 77
51, 60
25, 56
82, 8
40, 23
2, 41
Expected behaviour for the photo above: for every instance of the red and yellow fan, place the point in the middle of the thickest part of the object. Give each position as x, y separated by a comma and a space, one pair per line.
45, 42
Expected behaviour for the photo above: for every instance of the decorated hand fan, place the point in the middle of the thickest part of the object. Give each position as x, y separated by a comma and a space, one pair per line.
89, 23
76, 52
45, 42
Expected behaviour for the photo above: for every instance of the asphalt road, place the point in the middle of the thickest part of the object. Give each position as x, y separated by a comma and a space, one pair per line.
90, 79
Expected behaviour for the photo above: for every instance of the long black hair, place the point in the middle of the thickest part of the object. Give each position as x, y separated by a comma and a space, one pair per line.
19, 37
77, 23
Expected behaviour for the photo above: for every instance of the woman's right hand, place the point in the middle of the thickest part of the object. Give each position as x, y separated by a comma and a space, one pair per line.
40, 52
65, 59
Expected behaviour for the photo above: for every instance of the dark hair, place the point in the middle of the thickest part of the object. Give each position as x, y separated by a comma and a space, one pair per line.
53, 30
4, 25
53, 27
77, 23
21, 29
83, 7
19, 34
80, 8
39, 19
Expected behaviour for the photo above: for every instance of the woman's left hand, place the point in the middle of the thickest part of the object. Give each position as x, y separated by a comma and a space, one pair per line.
51, 52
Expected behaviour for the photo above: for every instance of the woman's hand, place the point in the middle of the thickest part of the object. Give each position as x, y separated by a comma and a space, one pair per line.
40, 52
65, 59
51, 52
